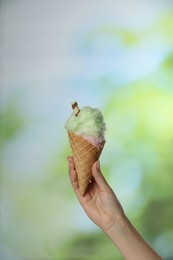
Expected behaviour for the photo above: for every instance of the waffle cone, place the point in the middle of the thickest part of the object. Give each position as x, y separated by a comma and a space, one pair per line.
84, 154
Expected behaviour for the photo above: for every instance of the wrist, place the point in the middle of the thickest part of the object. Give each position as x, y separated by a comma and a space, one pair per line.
117, 228
129, 242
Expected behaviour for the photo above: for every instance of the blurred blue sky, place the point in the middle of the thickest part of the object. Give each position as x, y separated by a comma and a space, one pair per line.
43, 58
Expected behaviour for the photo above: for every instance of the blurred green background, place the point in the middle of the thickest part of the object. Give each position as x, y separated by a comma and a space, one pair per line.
117, 56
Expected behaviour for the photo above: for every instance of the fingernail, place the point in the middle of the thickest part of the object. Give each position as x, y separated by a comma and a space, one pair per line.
98, 165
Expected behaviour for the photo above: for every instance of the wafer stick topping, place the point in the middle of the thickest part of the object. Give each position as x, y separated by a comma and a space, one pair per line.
75, 108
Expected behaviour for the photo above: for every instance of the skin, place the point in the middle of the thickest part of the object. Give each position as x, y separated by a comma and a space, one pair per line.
104, 209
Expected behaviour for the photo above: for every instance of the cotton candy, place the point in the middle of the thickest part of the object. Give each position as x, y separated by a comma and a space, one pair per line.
89, 123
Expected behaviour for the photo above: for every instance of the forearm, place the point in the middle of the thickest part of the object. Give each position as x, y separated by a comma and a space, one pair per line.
129, 242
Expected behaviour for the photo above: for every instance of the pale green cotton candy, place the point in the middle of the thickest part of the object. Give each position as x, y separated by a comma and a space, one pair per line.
89, 121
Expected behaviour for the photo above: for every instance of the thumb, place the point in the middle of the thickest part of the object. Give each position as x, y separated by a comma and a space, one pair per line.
98, 176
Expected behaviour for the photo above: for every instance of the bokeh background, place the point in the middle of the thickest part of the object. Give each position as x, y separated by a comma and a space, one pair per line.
114, 55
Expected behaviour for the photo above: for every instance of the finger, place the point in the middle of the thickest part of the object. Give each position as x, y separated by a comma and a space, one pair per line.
71, 168
73, 174
98, 176
72, 171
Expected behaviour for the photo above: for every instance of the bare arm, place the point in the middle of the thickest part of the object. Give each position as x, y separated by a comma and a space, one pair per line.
103, 208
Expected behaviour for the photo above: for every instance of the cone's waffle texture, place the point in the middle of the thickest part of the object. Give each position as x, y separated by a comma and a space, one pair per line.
84, 154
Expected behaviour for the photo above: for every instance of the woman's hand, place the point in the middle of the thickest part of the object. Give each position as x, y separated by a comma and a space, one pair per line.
99, 202
102, 206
